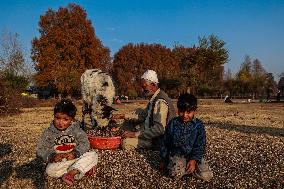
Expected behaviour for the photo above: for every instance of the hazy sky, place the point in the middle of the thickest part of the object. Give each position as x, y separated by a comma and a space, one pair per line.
249, 27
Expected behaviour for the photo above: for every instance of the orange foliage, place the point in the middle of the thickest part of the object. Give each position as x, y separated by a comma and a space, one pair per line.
132, 60
67, 46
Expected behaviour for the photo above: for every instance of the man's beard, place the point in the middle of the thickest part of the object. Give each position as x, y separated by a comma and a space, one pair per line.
147, 93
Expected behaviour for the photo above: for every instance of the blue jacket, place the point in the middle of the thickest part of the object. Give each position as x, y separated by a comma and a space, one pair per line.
184, 139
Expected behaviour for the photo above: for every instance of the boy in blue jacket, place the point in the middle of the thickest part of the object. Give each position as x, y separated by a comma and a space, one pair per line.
183, 147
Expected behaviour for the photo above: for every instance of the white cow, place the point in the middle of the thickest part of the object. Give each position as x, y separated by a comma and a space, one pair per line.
98, 92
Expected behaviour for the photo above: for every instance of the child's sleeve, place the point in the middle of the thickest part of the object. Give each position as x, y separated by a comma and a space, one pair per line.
164, 150
199, 144
45, 145
83, 144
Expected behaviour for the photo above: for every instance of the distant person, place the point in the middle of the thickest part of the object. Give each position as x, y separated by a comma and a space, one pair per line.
183, 147
64, 146
117, 100
278, 96
267, 94
152, 120
228, 99
126, 98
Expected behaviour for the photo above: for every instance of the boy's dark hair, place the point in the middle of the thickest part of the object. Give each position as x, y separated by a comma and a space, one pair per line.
187, 102
65, 106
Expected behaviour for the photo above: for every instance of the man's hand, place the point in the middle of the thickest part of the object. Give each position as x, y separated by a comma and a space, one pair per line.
191, 166
162, 166
129, 134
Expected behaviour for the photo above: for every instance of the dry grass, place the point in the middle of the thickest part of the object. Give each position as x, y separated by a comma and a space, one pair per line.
245, 148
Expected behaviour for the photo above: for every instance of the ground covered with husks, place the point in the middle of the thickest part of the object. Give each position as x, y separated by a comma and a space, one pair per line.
245, 149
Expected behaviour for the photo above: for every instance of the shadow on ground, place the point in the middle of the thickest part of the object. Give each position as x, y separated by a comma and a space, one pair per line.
249, 129
6, 166
34, 170
152, 158
5, 149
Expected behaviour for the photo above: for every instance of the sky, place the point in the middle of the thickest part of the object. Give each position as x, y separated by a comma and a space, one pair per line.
248, 27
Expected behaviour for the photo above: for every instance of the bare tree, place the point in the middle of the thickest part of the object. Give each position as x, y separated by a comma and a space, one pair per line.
11, 54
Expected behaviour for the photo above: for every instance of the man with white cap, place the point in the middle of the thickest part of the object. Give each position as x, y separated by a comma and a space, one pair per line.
153, 119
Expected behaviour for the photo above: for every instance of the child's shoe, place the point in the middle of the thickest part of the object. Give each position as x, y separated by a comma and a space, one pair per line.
91, 171
68, 179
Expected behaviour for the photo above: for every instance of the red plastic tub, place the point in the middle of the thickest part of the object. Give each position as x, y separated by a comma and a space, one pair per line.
104, 143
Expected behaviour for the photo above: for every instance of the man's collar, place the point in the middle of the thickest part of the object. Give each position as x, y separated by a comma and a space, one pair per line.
154, 95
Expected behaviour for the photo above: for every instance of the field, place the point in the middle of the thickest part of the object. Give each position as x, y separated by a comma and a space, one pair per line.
245, 149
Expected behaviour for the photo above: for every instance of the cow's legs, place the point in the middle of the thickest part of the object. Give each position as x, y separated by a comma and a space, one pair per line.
92, 108
85, 109
83, 124
92, 120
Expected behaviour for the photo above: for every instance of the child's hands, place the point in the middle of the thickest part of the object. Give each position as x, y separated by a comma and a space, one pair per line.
191, 166
57, 158
70, 156
60, 157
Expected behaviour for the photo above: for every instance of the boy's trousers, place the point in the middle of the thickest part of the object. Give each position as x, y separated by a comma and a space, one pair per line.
83, 164
177, 168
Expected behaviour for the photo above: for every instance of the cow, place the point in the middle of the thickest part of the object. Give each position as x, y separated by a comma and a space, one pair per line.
98, 93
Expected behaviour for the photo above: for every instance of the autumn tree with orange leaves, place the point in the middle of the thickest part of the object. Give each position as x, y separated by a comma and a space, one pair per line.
132, 60
67, 46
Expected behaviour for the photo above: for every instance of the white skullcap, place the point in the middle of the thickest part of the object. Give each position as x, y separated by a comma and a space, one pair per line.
151, 76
